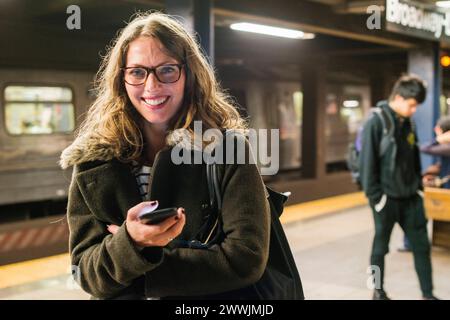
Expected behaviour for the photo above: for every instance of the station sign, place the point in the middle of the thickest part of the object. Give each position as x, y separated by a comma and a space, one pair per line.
417, 19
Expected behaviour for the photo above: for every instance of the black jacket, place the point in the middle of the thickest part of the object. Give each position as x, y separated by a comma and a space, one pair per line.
397, 174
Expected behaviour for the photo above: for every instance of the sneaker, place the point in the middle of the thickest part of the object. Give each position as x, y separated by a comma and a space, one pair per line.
379, 294
430, 297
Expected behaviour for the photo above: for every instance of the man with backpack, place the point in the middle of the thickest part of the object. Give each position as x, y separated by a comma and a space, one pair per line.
390, 175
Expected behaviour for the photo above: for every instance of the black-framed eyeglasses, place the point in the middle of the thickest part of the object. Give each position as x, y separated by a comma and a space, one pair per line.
166, 73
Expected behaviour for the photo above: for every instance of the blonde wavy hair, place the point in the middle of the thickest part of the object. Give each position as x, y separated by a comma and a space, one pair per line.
113, 121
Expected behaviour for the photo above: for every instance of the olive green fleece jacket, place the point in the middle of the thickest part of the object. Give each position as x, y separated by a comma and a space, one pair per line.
103, 189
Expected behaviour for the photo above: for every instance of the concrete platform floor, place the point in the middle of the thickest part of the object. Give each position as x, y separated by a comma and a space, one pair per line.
332, 254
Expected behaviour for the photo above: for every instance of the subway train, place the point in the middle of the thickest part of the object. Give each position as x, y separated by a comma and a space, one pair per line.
40, 109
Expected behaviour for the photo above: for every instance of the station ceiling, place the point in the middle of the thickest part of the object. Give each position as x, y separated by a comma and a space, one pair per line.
39, 28
341, 18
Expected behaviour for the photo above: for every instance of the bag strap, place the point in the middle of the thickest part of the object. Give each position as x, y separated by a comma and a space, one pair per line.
215, 194
215, 198
387, 138
211, 188
212, 175
386, 120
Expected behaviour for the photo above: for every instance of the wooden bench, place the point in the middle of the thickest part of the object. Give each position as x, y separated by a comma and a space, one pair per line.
437, 208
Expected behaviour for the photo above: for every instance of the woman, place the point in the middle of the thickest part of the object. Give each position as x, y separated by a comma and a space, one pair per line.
153, 81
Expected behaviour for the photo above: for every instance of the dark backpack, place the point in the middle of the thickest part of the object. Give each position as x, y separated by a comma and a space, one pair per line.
387, 139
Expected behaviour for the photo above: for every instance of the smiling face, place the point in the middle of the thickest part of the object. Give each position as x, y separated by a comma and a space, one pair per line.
156, 102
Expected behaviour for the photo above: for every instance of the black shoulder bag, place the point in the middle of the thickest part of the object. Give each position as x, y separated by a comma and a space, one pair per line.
281, 280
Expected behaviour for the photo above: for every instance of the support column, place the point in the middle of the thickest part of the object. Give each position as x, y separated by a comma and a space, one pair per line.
197, 16
377, 87
313, 129
424, 62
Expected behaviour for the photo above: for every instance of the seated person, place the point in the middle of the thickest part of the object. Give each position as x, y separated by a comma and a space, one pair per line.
437, 174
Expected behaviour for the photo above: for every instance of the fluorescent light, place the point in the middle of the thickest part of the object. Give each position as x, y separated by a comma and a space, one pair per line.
443, 4
271, 31
351, 103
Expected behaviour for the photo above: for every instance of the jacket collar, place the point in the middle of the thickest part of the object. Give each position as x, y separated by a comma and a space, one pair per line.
89, 148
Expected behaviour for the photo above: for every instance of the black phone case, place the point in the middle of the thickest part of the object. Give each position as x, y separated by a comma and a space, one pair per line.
157, 216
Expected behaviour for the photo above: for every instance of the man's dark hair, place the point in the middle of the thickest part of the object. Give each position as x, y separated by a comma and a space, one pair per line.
408, 87
444, 123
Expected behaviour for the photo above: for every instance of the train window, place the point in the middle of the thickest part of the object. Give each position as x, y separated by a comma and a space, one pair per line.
39, 110
336, 130
351, 111
282, 109
344, 114
290, 109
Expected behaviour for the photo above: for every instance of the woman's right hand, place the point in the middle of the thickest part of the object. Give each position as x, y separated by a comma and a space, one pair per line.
156, 235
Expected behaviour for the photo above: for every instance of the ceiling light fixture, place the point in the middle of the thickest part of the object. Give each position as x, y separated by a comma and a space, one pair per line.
272, 31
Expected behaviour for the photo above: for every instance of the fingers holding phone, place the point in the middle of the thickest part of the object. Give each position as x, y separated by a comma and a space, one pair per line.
171, 231
150, 227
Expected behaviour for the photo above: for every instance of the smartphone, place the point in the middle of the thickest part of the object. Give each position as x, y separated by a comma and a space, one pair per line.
156, 216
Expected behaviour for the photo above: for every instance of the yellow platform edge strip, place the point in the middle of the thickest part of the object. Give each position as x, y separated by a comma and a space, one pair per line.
312, 209
38, 269
33, 270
